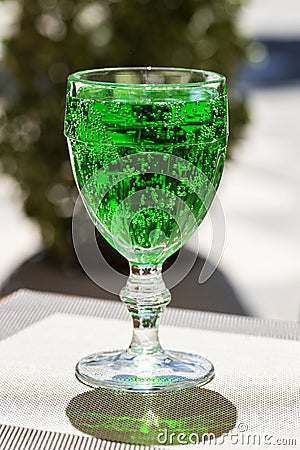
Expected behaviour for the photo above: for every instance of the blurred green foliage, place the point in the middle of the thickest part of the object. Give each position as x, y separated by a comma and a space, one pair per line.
54, 38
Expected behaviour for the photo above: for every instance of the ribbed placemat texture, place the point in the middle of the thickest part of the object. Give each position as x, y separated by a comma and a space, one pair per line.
43, 407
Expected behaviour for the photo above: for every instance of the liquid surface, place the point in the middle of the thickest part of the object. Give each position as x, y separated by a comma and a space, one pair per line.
147, 163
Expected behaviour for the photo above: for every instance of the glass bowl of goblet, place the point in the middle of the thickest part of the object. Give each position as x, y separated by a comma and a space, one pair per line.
147, 147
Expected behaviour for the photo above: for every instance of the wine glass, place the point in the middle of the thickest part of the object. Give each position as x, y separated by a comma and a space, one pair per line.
147, 147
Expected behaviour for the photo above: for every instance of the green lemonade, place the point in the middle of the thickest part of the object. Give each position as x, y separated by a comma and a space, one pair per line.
145, 162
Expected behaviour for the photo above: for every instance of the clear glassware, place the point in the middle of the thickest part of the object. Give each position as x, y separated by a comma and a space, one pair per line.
147, 147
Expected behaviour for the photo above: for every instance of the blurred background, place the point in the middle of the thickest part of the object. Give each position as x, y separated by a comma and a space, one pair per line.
255, 44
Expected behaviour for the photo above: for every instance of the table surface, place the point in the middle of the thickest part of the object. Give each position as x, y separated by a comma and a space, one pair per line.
32, 321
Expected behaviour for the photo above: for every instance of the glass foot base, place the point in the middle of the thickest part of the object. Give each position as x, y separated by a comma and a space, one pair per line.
127, 371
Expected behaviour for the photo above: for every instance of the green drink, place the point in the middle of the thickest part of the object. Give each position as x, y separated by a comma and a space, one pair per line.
147, 164
147, 147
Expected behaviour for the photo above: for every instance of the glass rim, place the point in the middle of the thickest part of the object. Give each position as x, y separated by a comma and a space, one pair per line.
214, 77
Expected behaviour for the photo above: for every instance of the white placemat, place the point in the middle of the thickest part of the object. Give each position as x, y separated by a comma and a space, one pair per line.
260, 376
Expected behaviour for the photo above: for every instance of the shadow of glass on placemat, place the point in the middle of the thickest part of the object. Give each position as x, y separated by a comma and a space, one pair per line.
169, 418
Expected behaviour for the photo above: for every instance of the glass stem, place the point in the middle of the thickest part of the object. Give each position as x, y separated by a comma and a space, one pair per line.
146, 297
